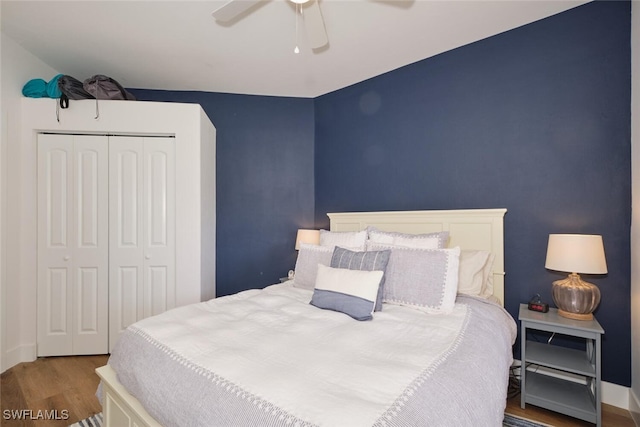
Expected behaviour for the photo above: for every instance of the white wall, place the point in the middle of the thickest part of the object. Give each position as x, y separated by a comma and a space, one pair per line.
634, 398
17, 66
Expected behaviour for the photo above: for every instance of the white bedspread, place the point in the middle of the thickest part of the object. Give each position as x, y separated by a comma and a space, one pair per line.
243, 344
272, 349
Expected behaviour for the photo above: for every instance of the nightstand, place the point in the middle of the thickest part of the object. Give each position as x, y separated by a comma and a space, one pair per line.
558, 392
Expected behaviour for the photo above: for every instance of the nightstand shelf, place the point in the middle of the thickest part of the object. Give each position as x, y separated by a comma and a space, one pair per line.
579, 398
564, 359
560, 395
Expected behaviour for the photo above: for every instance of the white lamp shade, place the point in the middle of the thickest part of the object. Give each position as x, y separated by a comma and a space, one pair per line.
311, 237
576, 253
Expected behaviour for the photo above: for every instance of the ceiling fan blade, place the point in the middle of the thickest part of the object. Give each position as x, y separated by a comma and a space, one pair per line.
313, 21
233, 9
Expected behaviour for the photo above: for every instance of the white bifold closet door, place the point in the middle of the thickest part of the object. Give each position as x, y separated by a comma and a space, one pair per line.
73, 251
141, 230
106, 238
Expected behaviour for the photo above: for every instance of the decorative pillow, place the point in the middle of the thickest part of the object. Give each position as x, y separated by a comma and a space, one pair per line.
487, 286
425, 279
366, 261
352, 292
437, 240
346, 239
309, 257
475, 271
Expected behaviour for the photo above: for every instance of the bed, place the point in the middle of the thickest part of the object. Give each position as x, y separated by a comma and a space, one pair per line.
270, 357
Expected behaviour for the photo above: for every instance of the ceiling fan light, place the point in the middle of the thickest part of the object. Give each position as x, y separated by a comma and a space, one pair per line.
299, 1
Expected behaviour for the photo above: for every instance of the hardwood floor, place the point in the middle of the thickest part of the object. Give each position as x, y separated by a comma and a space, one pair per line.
63, 388
611, 416
69, 384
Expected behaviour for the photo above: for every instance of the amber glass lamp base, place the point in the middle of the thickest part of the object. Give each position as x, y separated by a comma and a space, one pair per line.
575, 298
575, 316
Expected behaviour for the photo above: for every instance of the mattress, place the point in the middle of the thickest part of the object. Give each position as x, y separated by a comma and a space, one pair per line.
268, 357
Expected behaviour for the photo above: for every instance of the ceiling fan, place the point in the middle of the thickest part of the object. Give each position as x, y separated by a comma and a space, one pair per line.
309, 9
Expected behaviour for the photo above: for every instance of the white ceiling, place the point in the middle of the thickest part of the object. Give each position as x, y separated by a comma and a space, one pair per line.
177, 45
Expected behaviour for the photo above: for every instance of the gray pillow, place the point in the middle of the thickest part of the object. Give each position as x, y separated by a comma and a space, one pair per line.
363, 261
425, 279
309, 256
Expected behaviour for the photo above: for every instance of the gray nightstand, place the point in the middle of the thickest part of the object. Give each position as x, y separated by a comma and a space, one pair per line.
557, 394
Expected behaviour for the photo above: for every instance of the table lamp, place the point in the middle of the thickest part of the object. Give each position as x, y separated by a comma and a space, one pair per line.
311, 237
576, 253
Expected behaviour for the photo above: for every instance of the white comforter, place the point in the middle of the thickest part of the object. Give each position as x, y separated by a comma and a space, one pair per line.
290, 361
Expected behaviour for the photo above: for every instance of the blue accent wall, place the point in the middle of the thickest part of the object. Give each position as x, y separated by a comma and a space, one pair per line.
265, 187
535, 120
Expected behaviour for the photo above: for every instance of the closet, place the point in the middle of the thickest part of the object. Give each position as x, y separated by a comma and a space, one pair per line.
124, 213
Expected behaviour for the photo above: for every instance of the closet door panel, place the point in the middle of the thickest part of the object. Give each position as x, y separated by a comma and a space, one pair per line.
91, 260
54, 321
128, 188
142, 229
57, 202
125, 292
159, 235
55, 249
157, 283
72, 245
126, 249
125, 285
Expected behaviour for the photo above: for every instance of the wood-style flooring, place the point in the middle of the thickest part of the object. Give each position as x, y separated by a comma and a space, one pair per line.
51, 387
69, 384
611, 416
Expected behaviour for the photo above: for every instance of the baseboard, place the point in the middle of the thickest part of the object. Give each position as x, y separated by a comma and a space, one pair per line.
19, 354
612, 394
634, 407
615, 395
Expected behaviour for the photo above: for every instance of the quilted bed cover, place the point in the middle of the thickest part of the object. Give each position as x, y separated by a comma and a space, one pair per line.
269, 358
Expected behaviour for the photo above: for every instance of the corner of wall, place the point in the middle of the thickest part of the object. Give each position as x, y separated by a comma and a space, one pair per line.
3, 205
17, 66
208, 207
635, 221
634, 407
634, 391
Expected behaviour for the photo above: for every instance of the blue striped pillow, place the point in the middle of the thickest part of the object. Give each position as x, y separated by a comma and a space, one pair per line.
366, 261
352, 292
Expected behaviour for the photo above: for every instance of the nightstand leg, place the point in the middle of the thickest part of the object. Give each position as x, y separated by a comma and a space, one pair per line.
523, 365
598, 385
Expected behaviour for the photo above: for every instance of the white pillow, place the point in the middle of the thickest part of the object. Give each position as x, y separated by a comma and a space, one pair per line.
352, 292
437, 240
475, 272
309, 256
354, 240
425, 279
487, 286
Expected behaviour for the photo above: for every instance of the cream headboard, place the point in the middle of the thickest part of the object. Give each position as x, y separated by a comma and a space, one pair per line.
480, 229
